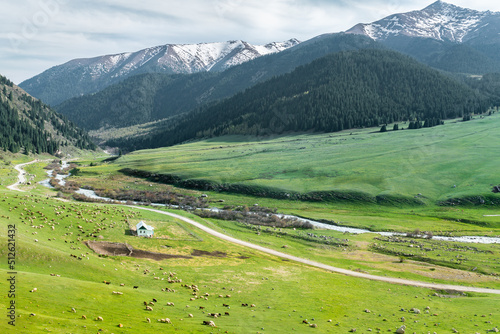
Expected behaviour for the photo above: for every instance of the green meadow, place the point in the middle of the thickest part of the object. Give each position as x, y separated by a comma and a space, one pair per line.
284, 294
416, 169
456, 160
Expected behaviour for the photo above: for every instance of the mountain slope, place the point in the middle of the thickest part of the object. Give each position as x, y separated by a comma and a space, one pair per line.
431, 35
83, 76
29, 125
151, 97
339, 91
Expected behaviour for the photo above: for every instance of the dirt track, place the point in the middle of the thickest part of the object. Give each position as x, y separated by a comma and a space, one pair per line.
322, 265
21, 178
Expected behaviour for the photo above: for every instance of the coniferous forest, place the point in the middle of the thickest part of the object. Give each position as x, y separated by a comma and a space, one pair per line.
29, 126
346, 90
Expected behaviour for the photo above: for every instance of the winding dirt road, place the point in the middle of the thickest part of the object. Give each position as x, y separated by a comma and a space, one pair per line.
22, 179
322, 265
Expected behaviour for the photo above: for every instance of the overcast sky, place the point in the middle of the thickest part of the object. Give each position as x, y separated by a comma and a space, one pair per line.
38, 34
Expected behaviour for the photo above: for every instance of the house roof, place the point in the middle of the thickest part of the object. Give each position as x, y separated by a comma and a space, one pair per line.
142, 224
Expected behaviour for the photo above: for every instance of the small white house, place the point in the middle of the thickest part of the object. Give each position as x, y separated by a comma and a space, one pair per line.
144, 230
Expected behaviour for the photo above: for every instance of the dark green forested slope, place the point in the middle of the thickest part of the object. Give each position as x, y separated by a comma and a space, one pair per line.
340, 91
151, 97
29, 125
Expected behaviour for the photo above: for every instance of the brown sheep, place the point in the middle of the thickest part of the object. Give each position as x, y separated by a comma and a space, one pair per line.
84, 317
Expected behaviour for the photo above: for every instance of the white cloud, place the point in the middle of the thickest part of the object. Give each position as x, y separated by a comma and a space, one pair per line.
38, 34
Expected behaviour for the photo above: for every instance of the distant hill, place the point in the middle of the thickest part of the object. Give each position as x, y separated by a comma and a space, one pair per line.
28, 125
442, 35
340, 91
151, 97
90, 75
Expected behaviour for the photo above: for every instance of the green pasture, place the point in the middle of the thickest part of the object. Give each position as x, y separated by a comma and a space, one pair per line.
459, 159
284, 293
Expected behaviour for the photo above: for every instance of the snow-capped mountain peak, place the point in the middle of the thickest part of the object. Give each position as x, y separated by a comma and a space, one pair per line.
440, 20
89, 75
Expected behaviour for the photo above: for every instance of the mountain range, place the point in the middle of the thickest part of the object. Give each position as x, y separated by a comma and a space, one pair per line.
171, 83
343, 90
89, 75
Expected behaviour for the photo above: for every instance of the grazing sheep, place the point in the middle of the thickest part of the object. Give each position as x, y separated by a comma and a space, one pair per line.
170, 304
99, 319
209, 323
73, 310
148, 320
145, 303
202, 307
34, 290
136, 287
228, 296
151, 303
120, 325
149, 308
154, 299
190, 315
226, 313
225, 305
122, 284
84, 317
253, 305
166, 321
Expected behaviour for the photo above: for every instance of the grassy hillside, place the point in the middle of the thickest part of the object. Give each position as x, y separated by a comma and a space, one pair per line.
69, 287
456, 160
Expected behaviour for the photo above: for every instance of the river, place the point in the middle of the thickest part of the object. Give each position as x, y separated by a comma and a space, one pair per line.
344, 229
